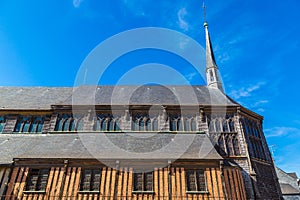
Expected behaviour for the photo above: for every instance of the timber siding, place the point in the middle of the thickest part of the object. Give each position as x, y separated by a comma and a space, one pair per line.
169, 183
4, 176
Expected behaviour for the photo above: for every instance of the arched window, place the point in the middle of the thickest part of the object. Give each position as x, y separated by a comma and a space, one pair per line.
235, 145
221, 145
229, 145
193, 124
225, 126
79, 123
36, 125
173, 124
141, 124
179, 124
66, 125
111, 125
218, 126
211, 126
117, 124
29, 124
148, 125
211, 75
231, 125
72, 124
154, 124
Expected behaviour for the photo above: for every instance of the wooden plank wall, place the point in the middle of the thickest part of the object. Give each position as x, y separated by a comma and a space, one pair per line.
4, 176
234, 184
63, 183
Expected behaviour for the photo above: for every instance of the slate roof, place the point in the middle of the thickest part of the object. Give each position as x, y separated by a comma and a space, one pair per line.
107, 146
287, 189
32, 97
44, 97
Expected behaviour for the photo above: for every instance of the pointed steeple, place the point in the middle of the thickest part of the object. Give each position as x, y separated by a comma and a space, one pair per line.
212, 72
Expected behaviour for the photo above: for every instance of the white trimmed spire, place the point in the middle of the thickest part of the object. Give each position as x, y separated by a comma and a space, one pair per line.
212, 72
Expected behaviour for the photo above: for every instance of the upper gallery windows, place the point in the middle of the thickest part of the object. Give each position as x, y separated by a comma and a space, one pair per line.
29, 124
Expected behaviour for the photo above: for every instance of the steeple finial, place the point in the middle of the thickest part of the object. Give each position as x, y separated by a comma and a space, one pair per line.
212, 71
204, 12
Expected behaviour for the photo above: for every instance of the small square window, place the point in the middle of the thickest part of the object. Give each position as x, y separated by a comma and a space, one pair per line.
195, 180
143, 182
90, 180
37, 180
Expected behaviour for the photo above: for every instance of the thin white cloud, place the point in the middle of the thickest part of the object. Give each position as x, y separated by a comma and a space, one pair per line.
76, 3
261, 102
191, 76
181, 21
281, 131
246, 92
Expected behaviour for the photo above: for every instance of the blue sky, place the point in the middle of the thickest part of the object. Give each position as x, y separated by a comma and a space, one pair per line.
256, 43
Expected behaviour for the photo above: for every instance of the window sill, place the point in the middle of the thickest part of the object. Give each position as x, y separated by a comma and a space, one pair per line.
197, 192
142, 192
87, 191
32, 191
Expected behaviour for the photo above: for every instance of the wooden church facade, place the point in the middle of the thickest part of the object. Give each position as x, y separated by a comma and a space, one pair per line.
144, 144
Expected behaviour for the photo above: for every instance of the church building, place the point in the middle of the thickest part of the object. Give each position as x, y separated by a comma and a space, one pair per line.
153, 147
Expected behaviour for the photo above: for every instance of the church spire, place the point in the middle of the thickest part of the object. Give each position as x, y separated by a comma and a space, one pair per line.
212, 71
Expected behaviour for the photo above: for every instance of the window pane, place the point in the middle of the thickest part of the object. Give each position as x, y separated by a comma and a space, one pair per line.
95, 185
26, 126
66, 125
180, 127
191, 180
193, 123
149, 126
148, 185
201, 180
33, 127
79, 125
37, 180
138, 182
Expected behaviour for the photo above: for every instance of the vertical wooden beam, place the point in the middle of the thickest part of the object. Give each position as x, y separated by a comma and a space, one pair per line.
220, 183
4, 181
113, 183
12, 183
23, 182
215, 183
236, 184
166, 183
107, 185
102, 185
30, 197
120, 181
77, 182
209, 183
70, 191
130, 181
18, 182
66, 184
49, 183
183, 186
241, 185
161, 184
35, 196
178, 184
173, 183
156, 192
41, 196
124, 192
59, 183
232, 184
227, 184
55, 179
